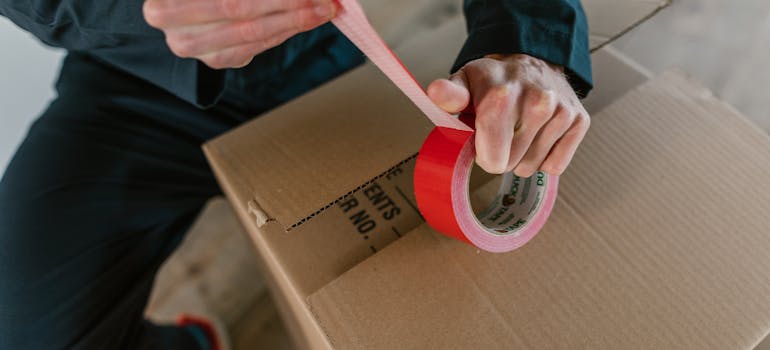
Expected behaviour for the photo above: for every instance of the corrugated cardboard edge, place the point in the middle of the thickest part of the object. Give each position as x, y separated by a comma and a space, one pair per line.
260, 216
300, 328
321, 325
663, 4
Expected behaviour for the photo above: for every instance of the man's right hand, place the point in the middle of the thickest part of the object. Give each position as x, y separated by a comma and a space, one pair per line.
229, 33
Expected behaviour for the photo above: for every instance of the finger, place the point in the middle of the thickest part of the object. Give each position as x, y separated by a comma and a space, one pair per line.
494, 101
496, 115
562, 152
553, 130
241, 55
208, 38
451, 94
537, 108
176, 13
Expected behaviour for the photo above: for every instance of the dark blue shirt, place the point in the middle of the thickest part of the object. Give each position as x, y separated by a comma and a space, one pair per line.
115, 33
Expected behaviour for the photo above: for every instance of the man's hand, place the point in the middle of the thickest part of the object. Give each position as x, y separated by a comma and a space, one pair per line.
528, 118
229, 33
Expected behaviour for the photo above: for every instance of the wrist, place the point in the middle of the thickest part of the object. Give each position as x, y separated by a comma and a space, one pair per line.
526, 59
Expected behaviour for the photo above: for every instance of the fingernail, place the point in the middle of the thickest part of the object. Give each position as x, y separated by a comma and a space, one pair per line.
451, 105
325, 11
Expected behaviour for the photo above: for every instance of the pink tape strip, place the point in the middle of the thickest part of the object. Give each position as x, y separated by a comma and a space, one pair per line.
444, 164
353, 23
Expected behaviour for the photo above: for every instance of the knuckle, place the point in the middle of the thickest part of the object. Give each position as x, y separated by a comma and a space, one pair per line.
179, 46
214, 62
496, 104
548, 97
243, 63
245, 55
541, 97
271, 42
306, 20
540, 104
484, 68
502, 91
539, 91
564, 118
583, 121
222, 60
256, 49
153, 13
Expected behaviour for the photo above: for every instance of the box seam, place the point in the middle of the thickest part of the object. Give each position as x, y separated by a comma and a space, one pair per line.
351, 192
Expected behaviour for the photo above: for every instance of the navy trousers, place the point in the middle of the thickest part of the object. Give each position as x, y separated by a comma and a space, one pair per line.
101, 191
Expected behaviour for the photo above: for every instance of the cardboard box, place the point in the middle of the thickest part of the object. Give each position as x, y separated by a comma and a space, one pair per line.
647, 248
659, 240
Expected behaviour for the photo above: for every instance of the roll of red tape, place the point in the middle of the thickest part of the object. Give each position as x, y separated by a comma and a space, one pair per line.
444, 164
441, 180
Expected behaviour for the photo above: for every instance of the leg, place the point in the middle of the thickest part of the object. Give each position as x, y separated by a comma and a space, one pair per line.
98, 195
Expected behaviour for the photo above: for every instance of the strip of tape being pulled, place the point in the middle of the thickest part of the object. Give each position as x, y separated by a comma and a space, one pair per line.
442, 172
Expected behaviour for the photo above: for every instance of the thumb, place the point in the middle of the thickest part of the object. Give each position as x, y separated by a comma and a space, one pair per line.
451, 94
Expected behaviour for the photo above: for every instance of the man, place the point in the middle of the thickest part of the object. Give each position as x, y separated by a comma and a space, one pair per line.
110, 177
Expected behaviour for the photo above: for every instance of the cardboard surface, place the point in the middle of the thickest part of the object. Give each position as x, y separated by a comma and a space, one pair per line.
301, 146
659, 240
301, 162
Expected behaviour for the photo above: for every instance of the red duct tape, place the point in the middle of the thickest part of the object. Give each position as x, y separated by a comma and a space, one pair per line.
443, 169
441, 179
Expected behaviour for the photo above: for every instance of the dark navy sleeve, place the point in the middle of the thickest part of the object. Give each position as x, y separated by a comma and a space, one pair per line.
553, 30
114, 32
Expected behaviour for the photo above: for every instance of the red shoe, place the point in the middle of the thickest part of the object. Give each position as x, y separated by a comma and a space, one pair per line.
215, 331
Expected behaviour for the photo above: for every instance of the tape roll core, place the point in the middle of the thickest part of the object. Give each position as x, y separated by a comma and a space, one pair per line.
441, 181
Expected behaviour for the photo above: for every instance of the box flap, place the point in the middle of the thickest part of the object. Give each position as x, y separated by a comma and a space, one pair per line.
301, 158
304, 156
659, 240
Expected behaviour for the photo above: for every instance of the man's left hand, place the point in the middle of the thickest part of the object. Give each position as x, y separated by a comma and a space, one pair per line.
528, 118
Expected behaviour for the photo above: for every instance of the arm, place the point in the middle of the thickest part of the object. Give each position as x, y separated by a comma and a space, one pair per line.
522, 68
115, 32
